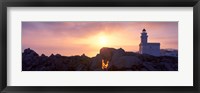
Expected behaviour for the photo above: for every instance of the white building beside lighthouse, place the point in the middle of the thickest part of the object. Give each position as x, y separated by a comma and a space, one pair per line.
148, 48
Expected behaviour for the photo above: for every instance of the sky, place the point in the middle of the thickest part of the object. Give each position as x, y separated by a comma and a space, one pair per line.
77, 38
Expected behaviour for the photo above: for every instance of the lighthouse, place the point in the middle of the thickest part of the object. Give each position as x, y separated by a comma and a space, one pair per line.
148, 48
144, 37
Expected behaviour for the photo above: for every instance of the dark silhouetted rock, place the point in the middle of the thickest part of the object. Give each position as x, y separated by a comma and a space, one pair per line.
107, 53
118, 60
126, 62
149, 66
96, 63
167, 65
29, 59
116, 55
51, 56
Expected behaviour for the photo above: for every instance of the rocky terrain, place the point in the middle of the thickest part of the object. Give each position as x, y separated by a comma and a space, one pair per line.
116, 59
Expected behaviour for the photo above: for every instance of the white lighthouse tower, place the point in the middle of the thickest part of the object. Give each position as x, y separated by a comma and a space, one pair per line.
144, 37
148, 48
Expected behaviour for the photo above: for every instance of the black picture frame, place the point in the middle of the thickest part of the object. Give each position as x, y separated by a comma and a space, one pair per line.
98, 3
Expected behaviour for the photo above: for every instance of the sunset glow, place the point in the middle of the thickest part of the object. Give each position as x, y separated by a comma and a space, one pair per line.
103, 41
104, 65
77, 38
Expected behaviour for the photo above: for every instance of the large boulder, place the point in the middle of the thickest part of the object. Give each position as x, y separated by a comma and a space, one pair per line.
29, 59
116, 55
107, 53
96, 63
29, 52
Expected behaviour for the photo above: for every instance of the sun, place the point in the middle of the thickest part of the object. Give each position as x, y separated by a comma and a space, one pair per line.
103, 41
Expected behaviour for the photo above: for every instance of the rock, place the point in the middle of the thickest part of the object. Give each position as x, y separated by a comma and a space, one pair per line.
43, 55
83, 55
167, 65
126, 62
107, 53
58, 55
96, 64
116, 55
118, 60
29, 52
30, 59
80, 67
43, 58
144, 69
149, 66
51, 56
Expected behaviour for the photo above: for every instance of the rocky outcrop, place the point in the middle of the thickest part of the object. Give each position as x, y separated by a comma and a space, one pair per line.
118, 60
31, 61
96, 63
107, 53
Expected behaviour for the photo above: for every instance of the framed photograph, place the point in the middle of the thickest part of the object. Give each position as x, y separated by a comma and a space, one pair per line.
133, 46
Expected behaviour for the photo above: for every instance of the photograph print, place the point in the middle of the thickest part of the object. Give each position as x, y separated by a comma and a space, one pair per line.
99, 46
